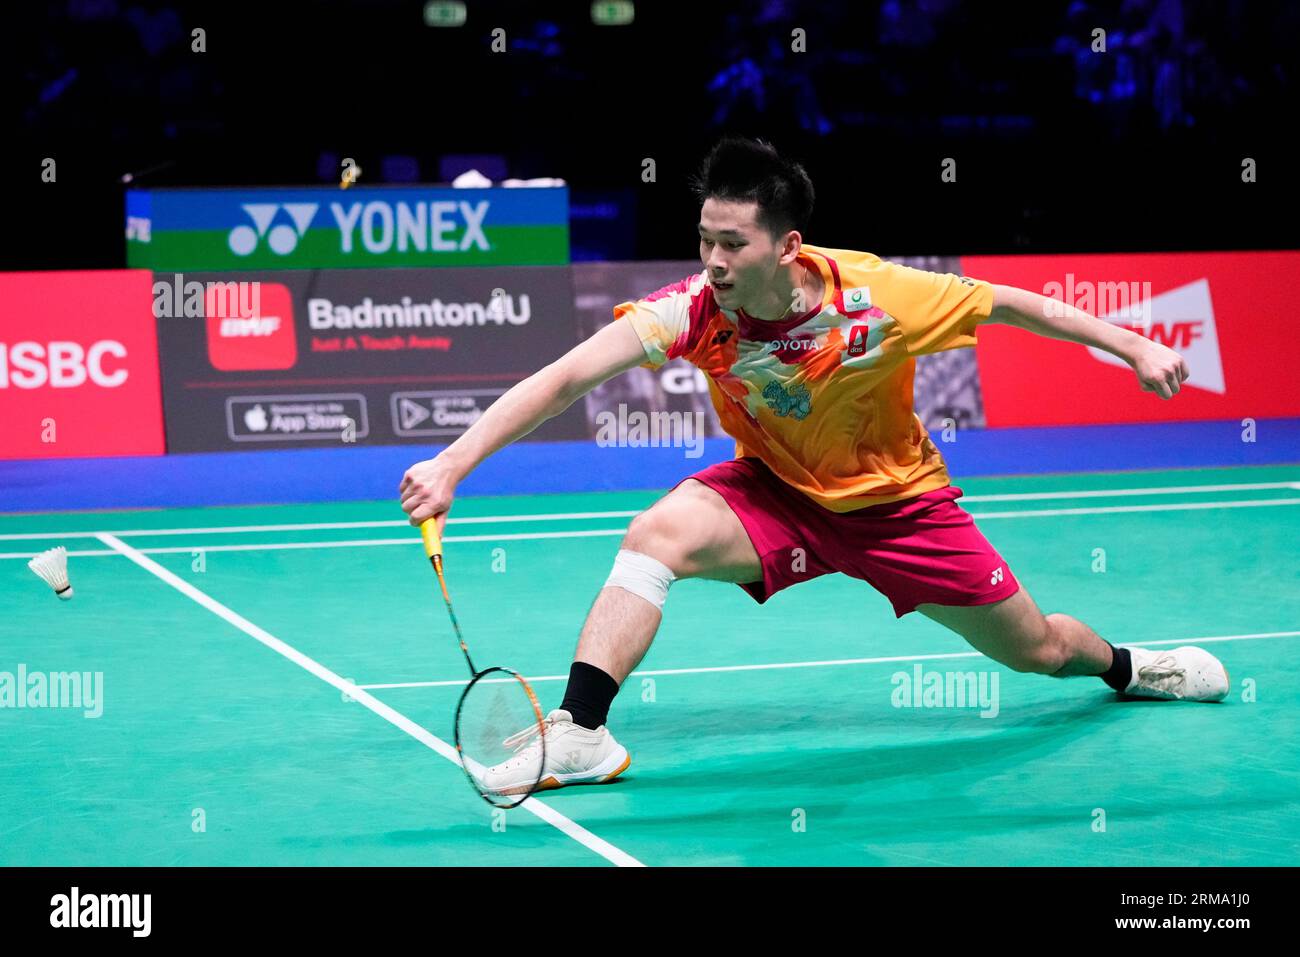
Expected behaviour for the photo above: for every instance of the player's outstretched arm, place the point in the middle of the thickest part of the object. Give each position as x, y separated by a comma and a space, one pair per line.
1160, 369
427, 487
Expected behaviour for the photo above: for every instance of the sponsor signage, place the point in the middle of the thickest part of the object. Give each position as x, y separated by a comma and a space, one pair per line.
441, 412
281, 418
354, 356
362, 227
78, 365
1227, 314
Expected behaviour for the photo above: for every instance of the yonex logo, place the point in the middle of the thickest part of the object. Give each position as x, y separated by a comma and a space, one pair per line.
283, 239
997, 576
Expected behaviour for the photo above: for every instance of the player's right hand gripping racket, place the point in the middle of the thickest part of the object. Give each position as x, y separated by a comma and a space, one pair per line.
500, 732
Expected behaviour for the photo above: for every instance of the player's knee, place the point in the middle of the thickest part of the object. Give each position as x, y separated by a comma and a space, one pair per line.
1041, 650
650, 533
641, 575
669, 533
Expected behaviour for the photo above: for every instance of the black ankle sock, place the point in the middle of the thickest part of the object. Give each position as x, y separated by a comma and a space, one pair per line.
1120, 672
588, 695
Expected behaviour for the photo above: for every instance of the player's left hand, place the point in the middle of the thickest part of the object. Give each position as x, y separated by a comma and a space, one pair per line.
1160, 369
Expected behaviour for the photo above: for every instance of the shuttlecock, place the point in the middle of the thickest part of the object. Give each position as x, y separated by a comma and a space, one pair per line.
52, 566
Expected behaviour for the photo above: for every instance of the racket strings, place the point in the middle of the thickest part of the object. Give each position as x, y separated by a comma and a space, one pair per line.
521, 739
488, 711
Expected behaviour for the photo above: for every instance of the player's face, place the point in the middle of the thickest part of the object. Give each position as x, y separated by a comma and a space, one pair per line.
740, 256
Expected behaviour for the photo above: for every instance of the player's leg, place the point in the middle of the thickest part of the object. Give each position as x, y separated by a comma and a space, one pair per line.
928, 555
689, 533
1014, 632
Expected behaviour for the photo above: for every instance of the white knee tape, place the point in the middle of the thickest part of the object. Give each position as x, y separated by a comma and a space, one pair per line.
641, 575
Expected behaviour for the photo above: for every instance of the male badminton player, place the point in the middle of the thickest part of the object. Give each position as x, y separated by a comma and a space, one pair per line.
809, 355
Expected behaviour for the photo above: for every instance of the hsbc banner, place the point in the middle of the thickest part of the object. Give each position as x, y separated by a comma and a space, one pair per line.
316, 228
372, 357
78, 365
1230, 315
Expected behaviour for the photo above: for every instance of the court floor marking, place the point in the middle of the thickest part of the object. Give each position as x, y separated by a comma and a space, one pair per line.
546, 813
328, 526
626, 513
460, 682
589, 533
1147, 490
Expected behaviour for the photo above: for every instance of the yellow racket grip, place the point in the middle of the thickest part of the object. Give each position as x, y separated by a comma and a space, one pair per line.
432, 540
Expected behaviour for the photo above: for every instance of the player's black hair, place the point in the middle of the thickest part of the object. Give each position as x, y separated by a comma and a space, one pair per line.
746, 170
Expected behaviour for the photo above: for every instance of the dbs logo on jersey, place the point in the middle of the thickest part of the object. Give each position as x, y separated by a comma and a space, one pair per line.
858, 340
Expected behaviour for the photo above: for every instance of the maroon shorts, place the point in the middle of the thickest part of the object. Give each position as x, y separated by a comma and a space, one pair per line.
919, 550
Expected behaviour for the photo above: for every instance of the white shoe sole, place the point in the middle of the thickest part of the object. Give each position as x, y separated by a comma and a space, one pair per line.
614, 765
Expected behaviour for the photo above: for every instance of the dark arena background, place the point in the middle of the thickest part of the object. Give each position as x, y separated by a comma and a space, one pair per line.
259, 260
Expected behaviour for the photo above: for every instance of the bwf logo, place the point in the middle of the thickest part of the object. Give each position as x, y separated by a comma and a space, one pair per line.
282, 238
263, 340
1182, 319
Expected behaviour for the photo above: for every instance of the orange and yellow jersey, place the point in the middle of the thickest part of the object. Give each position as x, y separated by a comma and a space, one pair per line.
824, 398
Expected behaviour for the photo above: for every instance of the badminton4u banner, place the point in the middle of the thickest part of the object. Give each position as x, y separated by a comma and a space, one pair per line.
78, 365
372, 357
1229, 315
315, 228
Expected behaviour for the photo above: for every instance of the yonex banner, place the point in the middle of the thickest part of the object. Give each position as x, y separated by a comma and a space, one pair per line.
78, 365
315, 228
292, 359
1229, 315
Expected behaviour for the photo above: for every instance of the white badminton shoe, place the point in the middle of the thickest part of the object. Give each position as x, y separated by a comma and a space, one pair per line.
1186, 673
573, 755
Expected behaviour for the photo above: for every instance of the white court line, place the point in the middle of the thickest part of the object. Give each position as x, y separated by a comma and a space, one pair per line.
322, 526
346, 543
393, 717
1111, 509
460, 682
597, 532
1150, 490
568, 516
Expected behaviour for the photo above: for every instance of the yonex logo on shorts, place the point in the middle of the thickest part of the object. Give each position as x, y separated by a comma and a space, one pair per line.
997, 576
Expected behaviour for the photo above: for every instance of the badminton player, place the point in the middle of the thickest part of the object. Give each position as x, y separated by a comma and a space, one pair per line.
809, 355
